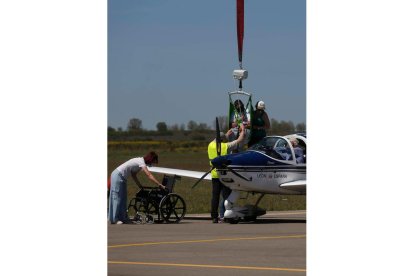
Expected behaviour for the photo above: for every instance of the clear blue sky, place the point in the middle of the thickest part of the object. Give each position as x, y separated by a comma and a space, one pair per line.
172, 61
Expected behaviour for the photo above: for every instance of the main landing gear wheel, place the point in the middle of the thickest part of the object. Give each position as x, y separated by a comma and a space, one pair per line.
250, 218
233, 220
172, 208
133, 209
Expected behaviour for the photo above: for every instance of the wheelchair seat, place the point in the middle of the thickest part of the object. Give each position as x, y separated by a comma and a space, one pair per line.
169, 181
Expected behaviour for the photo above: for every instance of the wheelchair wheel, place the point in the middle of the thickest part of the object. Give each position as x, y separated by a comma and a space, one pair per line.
172, 208
143, 211
152, 212
133, 208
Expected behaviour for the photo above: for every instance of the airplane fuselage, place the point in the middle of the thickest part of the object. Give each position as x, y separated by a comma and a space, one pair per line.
263, 180
260, 173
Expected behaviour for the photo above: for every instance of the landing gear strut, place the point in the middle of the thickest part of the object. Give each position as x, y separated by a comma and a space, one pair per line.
234, 214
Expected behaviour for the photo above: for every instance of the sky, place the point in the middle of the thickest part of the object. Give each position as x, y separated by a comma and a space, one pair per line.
172, 61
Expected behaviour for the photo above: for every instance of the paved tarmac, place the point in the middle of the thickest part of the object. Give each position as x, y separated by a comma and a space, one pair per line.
273, 245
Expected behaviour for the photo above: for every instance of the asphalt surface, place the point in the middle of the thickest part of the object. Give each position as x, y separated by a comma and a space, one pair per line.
273, 245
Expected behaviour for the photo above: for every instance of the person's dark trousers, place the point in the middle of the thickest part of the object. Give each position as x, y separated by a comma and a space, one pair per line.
217, 187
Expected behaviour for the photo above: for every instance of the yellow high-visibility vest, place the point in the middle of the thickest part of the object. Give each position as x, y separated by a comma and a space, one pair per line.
212, 153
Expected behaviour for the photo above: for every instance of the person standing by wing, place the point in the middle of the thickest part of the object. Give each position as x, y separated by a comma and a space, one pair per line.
217, 186
117, 212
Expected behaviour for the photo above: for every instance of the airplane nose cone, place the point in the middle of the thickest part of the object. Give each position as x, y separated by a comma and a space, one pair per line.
220, 162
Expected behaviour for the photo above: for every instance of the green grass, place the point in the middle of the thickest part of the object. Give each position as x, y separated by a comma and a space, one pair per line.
197, 199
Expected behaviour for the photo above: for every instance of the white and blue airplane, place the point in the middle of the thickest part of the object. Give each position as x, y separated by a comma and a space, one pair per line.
269, 167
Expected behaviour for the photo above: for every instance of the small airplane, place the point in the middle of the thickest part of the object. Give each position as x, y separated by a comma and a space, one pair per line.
269, 167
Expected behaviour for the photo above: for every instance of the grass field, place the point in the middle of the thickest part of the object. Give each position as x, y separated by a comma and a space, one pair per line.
197, 199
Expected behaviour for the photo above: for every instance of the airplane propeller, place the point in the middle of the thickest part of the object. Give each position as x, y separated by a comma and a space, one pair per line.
218, 149
201, 178
239, 175
218, 138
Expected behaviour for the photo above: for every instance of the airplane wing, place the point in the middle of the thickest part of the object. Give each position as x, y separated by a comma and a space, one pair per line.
192, 174
299, 186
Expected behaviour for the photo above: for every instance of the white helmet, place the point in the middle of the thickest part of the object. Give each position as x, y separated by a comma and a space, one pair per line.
260, 105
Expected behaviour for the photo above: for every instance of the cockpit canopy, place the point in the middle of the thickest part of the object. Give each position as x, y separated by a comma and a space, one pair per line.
281, 148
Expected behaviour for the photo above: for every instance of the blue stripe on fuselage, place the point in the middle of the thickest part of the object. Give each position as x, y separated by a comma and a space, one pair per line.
248, 158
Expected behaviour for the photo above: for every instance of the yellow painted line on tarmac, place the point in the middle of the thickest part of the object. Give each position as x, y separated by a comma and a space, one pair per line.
201, 241
212, 266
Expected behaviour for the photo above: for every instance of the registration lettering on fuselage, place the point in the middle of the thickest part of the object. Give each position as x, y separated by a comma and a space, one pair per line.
271, 175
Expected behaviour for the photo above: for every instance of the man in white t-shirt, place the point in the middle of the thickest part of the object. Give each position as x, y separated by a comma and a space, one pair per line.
117, 212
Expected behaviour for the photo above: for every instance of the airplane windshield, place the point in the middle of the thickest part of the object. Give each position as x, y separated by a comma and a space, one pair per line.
266, 143
277, 147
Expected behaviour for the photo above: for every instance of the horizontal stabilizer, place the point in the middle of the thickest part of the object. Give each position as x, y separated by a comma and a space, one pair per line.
299, 186
186, 173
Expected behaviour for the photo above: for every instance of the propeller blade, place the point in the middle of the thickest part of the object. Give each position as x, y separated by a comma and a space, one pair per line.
239, 175
218, 140
204, 175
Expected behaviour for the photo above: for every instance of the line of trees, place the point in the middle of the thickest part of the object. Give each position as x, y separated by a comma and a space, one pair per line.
134, 129
135, 125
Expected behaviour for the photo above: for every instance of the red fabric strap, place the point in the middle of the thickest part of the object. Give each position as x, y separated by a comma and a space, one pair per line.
240, 27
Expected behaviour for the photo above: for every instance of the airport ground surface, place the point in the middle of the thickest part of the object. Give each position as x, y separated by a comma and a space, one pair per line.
273, 245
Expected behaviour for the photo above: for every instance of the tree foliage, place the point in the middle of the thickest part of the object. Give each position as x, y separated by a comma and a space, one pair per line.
301, 127
202, 126
192, 125
134, 124
161, 126
282, 127
195, 131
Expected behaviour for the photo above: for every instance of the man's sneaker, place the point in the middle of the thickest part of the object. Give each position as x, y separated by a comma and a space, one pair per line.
215, 220
119, 222
221, 220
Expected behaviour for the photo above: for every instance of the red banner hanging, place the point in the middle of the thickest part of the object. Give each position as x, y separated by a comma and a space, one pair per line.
240, 28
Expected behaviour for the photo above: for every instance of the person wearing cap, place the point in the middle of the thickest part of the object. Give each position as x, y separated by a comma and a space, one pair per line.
260, 123
217, 186
117, 212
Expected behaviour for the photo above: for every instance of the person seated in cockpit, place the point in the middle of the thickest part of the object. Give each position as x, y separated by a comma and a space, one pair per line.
300, 157
283, 153
282, 150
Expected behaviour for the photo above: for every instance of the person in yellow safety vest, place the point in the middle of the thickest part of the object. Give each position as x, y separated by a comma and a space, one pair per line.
217, 186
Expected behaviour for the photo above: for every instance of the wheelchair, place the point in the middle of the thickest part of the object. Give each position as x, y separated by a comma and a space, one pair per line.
154, 205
